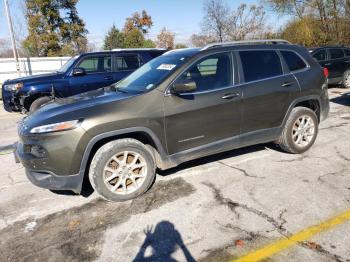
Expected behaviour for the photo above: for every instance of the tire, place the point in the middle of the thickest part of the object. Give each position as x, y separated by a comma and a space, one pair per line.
294, 130
37, 103
111, 161
346, 79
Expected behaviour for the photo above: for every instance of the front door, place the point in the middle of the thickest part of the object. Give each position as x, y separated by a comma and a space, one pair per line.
99, 73
209, 114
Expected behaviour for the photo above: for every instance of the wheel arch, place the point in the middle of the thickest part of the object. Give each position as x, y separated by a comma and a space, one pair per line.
312, 102
142, 134
28, 100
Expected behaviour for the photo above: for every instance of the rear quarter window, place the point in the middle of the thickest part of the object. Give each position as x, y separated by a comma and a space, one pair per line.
336, 53
259, 65
320, 55
293, 61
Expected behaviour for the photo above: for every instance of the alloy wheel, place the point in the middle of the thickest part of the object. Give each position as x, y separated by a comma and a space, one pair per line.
125, 172
303, 131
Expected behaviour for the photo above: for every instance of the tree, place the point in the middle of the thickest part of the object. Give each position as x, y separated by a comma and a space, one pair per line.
49, 32
134, 39
330, 19
72, 29
142, 21
200, 40
220, 23
246, 21
180, 46
216, 19
148, 43
165, 39
113, 39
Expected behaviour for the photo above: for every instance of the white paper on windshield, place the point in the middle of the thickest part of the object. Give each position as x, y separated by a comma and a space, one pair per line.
166, 67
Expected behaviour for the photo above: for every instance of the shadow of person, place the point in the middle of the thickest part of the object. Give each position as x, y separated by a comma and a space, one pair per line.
164, 241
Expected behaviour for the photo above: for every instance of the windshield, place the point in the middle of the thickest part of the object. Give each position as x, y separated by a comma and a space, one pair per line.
151, 74
67, 65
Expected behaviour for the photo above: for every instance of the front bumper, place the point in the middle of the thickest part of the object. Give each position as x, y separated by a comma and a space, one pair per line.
52, 161
48, 180
10, 100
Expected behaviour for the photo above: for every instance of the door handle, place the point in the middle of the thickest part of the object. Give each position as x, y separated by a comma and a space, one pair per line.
347, 61
230, 96
286, 84
107, 78
328, 64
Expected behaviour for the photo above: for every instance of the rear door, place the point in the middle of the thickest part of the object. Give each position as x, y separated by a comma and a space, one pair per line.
98, 70
267, 90
336, 62
209, 114
347, 58
124, 65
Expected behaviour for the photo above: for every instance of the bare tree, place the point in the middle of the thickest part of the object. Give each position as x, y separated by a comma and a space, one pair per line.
216, 19
201, 40
165, 39
246, 21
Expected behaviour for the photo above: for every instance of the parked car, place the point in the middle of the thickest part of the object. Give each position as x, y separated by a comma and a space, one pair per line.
337, 60
80, 74
180, 106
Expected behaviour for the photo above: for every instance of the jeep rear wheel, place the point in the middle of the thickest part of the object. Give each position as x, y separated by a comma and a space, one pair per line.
39, 102
122, 170
346, 79
300, 131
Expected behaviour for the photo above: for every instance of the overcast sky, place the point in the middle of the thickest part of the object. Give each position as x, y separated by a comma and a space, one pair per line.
180, 16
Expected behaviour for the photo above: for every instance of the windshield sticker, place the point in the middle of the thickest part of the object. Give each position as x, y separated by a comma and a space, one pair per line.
166, 67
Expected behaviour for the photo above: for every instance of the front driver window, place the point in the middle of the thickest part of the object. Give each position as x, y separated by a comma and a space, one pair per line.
210, 73
96, 64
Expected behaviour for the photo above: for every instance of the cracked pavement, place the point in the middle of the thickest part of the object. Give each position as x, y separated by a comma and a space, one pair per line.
212, 209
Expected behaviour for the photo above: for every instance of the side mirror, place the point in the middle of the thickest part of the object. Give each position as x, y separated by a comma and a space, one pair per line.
79, 71
185, 87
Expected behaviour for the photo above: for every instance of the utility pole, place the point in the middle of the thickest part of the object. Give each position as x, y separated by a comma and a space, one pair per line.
9, 21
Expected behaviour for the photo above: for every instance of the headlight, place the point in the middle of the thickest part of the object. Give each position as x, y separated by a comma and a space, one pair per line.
13, 87
56, 127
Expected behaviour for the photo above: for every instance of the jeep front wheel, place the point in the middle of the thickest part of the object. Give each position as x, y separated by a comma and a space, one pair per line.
300, 131
122, 170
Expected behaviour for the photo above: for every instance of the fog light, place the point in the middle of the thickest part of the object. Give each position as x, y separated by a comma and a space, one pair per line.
38, 151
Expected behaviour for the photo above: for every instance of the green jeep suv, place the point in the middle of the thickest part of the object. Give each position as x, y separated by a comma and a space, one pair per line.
183, 105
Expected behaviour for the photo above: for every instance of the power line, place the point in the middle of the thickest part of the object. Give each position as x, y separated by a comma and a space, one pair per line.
14, 49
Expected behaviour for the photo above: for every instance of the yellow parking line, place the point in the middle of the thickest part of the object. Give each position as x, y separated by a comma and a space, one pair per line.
301, 236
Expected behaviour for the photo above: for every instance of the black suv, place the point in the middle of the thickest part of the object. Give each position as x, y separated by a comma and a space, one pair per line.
81, 73
182, 105
337, 60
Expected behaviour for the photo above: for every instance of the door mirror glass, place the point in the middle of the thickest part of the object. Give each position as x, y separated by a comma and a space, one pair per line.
184, 87
79, 71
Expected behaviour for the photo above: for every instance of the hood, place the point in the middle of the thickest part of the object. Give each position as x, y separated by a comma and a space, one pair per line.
35, 78
74, 107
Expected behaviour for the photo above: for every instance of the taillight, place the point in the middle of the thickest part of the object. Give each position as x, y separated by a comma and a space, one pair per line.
325, 72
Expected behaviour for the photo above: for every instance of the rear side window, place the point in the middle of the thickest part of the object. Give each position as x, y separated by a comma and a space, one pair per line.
347, 52
293, 61
128, 62
336, 53
155, 54
260, 64
94, 64
320, 55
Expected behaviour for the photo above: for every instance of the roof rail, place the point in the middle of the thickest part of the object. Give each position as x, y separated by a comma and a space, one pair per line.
138, 49
244, 42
